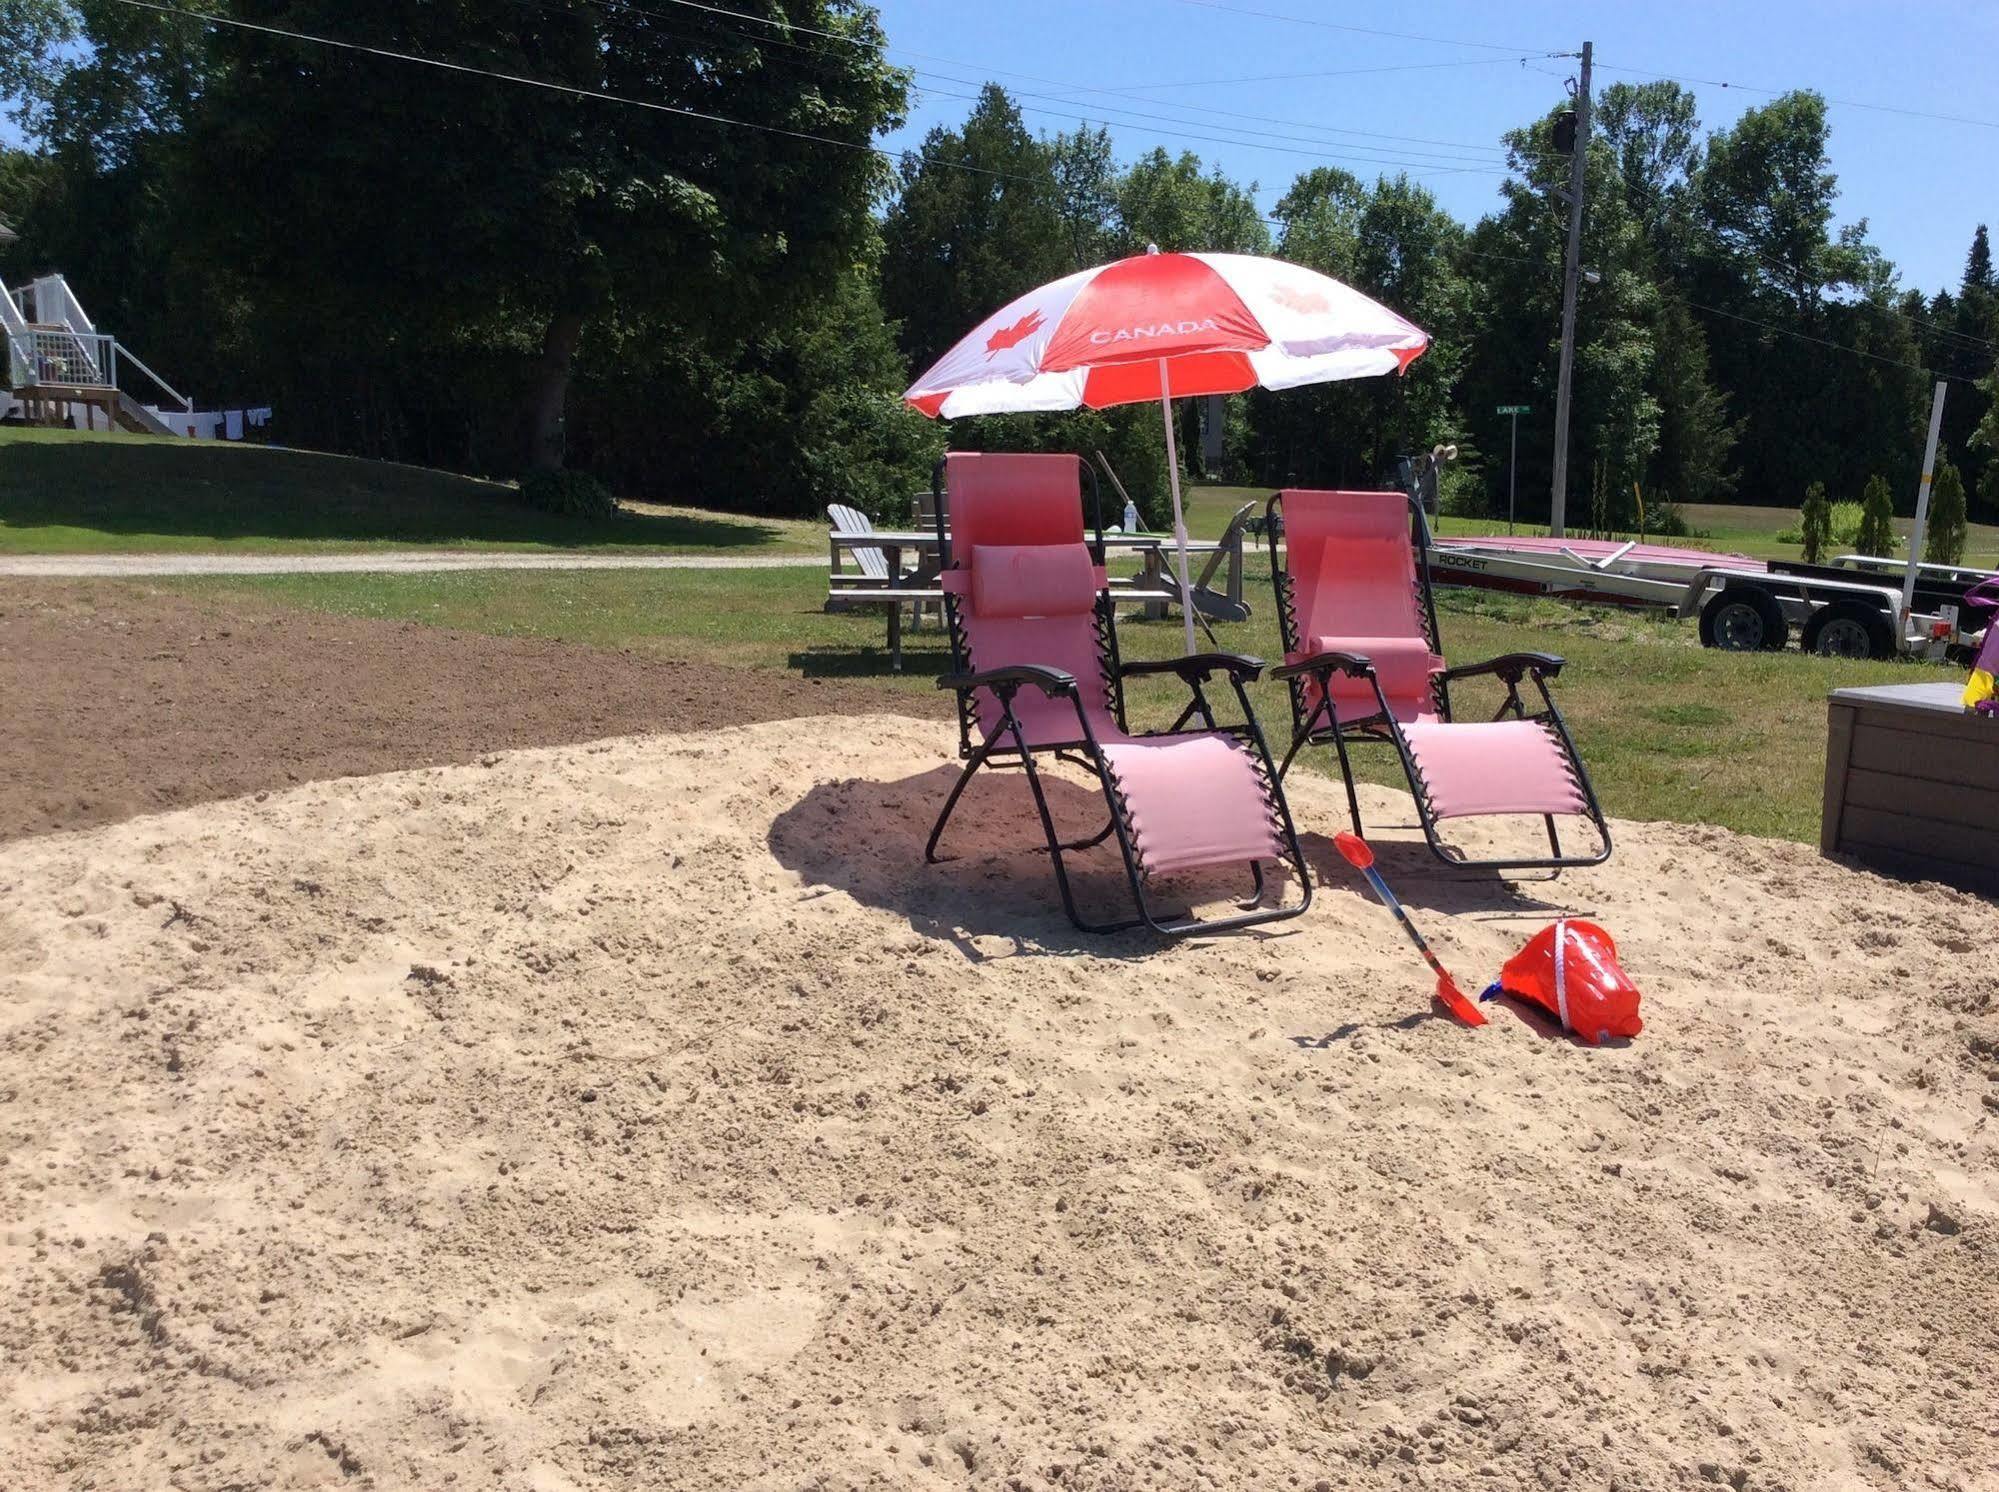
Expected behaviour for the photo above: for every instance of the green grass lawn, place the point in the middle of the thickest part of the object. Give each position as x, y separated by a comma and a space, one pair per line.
65, 492
1670, 730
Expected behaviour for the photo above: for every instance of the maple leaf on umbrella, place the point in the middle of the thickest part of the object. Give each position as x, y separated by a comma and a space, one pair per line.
1306, 302
1013, 336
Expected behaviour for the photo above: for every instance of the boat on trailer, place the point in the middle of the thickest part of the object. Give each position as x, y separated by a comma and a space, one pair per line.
1850, 608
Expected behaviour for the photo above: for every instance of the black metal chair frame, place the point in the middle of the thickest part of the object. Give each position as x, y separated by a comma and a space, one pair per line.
1008, 746
1319, 724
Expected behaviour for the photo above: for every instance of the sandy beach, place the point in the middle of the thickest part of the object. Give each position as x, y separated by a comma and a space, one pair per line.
645, 1114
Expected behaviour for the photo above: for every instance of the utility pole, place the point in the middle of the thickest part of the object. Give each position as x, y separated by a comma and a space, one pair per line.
1572, 269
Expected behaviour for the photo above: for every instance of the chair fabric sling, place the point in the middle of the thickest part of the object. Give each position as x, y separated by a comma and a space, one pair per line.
1037, 674
1363, 662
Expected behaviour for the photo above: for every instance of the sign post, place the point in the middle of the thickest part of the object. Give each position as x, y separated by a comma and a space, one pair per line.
1513, 458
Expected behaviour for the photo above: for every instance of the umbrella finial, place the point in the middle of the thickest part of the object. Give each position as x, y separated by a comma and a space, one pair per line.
1152, 248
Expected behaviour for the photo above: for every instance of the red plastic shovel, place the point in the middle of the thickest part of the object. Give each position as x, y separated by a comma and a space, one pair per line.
1361, 858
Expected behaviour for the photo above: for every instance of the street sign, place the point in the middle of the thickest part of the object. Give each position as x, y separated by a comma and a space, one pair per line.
1513, 409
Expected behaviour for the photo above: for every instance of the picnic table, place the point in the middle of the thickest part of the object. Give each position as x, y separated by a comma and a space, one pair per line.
1155, 585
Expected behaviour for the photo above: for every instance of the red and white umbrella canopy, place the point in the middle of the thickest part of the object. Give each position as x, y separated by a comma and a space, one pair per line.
1222, 323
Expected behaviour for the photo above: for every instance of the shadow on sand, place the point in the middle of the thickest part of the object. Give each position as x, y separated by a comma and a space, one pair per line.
1425, 884
866, 838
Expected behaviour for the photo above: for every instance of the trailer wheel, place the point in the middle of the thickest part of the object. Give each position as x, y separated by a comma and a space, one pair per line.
1743, 619
1849, 629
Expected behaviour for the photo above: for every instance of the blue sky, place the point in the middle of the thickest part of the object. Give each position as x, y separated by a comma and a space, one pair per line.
1922, 184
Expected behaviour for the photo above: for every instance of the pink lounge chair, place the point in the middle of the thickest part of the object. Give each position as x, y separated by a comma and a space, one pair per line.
1363, 663
1037, 674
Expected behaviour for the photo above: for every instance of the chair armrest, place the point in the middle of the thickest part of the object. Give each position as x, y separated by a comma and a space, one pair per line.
1198, 666
1511, 667
1353, 665
1052, 682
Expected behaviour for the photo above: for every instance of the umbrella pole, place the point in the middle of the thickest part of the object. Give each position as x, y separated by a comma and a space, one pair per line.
1179, 519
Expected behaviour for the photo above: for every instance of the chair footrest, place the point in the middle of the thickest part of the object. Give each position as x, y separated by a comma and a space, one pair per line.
1467, 769
1191, 801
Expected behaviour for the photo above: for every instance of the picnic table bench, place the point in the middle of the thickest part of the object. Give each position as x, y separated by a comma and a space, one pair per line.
867, 567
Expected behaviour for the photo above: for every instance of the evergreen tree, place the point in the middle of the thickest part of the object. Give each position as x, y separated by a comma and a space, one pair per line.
1962, 330
1086, 186
1877, 530
1943, 537
978, 221
1815, 523
1978, 263
1696, 436
1985, 439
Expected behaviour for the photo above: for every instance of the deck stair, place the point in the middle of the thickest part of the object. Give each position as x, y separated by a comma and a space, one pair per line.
60, 366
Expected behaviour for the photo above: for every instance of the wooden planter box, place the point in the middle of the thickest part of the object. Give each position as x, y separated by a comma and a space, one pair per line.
1912, 784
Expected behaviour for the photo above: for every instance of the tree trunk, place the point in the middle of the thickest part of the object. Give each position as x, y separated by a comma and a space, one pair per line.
551, 391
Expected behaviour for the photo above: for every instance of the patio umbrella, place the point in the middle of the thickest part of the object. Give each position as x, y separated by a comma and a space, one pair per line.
1166, 326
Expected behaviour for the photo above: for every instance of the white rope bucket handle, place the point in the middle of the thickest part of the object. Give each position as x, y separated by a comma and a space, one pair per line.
1562, 973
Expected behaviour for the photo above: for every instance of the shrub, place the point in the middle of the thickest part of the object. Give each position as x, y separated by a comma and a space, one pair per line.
1815, 527
1842, 528
574, 494
1876, 533
1664, 519
1461, 494
1943, 539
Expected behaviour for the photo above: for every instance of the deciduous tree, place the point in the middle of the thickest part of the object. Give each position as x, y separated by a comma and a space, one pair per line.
366, 198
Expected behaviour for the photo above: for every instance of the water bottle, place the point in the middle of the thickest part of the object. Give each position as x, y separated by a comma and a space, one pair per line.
1130, 516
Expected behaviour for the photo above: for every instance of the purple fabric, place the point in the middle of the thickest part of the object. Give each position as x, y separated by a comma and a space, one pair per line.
1985, 597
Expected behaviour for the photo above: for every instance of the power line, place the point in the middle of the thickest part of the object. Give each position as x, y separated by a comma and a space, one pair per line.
1321, 153
577, 91
574, 91
1790, 271
1431, 163
569, 89
1784, 331
1345, 72
1066, 87
1272, 15
1844, 103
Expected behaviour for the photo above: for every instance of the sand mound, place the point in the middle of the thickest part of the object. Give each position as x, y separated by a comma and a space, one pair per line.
646, 1115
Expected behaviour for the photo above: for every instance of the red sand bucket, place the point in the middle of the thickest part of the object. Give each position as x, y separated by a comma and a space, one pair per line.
1571, 970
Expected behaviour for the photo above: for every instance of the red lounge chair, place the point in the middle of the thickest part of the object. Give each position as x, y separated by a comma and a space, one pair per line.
1363, 663
1037, 674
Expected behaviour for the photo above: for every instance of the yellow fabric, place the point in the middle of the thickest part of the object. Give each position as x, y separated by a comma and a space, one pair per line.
1979, 687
